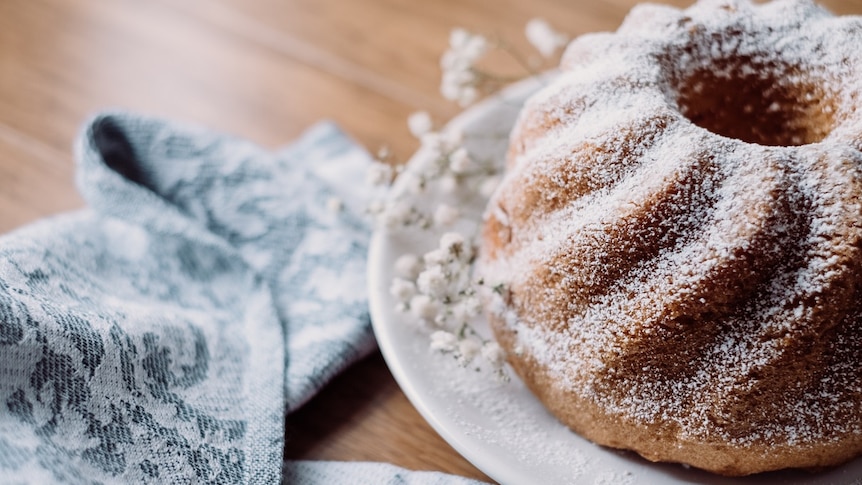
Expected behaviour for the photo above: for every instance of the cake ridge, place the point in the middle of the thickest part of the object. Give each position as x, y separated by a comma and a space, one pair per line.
679, 238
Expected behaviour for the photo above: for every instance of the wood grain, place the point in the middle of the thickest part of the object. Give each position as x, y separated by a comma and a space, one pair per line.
345, 421
265, 70
35, 180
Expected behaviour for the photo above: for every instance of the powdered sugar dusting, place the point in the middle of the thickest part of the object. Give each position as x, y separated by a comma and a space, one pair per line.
678, 229
501, 427
614, 478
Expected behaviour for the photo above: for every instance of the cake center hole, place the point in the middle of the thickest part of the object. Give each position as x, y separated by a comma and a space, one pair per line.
767, 105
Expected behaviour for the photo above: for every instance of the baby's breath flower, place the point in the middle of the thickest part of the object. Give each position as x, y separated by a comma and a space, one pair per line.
471, 46
493, 353
433, 282
454, 138
450, 241
444, 341
460, 79
472, 306
436, 257
397, 213
402, 289
452, 61
459, 313
465, 48
378, 173
384, 154
446, 215
468, 349
438, 144
419, 123
460, 87
415, 183
437, 288
543, 37
459, 160
408, 266
423, 307
448, 184
434, 142
458, 38
453, 243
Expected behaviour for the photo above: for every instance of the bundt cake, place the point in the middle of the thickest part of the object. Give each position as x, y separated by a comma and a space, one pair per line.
673, 260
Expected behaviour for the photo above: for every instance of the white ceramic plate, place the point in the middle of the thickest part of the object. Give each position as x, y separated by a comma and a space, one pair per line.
500, 427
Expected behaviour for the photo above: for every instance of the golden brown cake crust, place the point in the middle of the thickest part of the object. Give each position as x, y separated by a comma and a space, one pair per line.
678, 238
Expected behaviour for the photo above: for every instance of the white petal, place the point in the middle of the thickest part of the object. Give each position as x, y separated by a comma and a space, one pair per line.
458, 38
419, 123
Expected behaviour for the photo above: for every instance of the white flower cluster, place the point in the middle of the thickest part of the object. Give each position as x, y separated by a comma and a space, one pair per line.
461, 79
449, 167
544, 38
438, 291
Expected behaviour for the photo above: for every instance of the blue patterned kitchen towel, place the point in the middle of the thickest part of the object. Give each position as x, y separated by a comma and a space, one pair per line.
160, 335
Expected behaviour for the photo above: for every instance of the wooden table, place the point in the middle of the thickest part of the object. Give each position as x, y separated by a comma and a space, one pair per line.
265, 70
